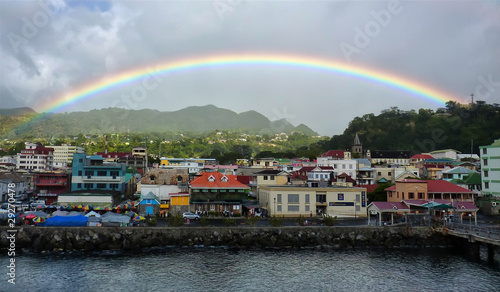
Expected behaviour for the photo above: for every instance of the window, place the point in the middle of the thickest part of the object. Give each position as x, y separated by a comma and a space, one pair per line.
485, 173
101, 173
307, 198
179, 178
486, 185
236, 207
420, 195
350, 166
390, 194
79, 173
211, 178
485, 151
411, 195
278, 208
151, 177
88, 186
279, 198
80, 160
224, 179
293, 199
114, 173
308, 208
485, 161
379, 173
272, 177
101, 186
293, 208
265, 177
358, 198
89, 172
79, 185
389, 173
113, 186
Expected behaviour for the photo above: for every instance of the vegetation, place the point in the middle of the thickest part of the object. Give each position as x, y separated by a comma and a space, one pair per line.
329, 220
175, 220
252, 220
301, 220
204, 221
379, 194
152, 221
424, 131
276, 221
229, 221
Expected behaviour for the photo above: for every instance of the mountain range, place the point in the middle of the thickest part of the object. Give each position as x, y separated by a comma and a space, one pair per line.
197, 119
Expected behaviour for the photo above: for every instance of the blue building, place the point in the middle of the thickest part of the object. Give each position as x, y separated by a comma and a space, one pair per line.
93, 173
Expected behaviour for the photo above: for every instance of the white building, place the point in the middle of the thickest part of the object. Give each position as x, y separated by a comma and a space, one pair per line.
64, 154
445, 153
340, 166
490, 168
35, 158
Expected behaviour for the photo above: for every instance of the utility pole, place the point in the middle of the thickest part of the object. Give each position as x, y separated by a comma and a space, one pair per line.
472, 97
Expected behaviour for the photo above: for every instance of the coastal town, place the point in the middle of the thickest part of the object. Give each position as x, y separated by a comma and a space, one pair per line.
48, 185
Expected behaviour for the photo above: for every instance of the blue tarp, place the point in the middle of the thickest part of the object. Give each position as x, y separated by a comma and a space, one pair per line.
78, 220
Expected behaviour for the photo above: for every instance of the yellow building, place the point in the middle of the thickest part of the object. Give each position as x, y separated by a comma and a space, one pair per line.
179, 203
292, 201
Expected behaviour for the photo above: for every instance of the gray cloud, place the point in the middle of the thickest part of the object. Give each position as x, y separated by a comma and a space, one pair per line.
448, 46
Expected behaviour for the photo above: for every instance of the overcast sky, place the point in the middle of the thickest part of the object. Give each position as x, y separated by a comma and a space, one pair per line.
51, 47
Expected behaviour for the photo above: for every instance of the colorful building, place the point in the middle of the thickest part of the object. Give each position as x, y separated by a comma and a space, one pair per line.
93, 173
217, 192
48, 186
411, 189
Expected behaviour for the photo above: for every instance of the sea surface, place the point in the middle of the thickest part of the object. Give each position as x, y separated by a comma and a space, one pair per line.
219, 269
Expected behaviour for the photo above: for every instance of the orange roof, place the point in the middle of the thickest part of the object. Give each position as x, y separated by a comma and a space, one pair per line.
217, 180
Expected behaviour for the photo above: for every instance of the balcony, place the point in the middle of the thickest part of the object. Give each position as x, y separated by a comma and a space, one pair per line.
89, 178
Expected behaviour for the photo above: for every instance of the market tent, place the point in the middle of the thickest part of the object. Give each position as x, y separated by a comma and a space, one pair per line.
41, 214
76, 213
92, 214
60, 213
113, 217
78, 220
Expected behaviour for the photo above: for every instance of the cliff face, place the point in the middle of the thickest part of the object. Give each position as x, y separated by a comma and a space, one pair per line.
41, 239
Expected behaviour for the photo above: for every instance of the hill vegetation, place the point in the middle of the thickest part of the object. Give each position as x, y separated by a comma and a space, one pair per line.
196, 119
455, 127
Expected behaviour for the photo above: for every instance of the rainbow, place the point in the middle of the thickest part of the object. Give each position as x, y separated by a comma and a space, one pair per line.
376, 76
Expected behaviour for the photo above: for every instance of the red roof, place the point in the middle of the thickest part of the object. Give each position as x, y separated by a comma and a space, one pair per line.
442, 186
333, 153
369, 188
421, 156
435, 186
391, 206
203, 181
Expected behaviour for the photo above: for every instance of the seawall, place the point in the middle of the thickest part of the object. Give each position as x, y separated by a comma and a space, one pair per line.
42, 239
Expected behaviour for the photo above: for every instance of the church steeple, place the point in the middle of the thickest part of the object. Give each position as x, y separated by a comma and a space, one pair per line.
357, 147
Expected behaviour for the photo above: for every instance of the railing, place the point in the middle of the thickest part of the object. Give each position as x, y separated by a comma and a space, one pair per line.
488, 232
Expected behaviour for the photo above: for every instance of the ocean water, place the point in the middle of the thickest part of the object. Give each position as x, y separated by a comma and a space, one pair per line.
219, 269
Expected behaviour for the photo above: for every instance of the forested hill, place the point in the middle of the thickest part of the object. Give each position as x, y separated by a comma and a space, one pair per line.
453, 127
197, 119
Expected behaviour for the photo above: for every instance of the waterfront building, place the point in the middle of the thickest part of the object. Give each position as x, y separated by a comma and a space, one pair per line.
490, 169
21, 185
292, 201
93, 173
164, 182
63, 155
149, 205
217, 192
49, 185
410, 189
35, 158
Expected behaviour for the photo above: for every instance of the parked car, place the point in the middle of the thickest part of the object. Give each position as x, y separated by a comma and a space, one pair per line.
190, 216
